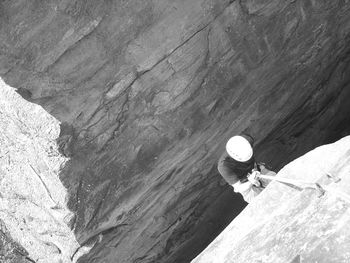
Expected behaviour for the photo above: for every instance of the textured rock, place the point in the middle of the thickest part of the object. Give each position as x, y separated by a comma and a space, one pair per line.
285, 224
10, 251
33, 209
147, 92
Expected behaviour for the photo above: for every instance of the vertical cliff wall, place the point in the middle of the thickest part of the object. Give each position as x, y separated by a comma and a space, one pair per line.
147, 93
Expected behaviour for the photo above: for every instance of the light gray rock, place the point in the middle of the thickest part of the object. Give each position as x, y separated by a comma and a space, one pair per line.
33, 205
284, 224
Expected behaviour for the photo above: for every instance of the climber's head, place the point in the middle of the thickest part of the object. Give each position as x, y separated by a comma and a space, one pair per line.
239, 148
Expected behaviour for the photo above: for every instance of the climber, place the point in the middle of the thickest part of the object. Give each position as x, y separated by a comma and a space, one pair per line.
238, 167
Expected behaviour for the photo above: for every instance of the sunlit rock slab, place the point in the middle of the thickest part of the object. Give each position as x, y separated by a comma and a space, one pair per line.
284, 224
33, 212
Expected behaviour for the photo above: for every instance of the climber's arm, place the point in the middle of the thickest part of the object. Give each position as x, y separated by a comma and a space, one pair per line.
227, 173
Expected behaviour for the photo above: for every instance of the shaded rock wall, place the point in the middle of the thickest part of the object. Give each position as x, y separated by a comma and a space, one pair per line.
286, 224
147, 93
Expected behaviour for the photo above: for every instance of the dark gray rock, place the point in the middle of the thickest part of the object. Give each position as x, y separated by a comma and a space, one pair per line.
148, 93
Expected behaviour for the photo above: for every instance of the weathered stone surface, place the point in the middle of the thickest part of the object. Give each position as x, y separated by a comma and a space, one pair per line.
147, 92
284, 224
10, 251
33, 207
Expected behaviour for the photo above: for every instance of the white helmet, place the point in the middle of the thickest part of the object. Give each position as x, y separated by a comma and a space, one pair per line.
239, 148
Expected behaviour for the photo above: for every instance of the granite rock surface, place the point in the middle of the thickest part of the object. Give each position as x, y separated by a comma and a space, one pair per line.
286, 224
148, 92
33, 207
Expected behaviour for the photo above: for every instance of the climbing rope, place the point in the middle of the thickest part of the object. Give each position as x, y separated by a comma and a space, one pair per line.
321, 189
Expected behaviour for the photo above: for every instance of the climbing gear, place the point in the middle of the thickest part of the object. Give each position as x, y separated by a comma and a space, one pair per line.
321, 189
239, 148
253, 178
250, 187
334, 178
297, 183
247, 190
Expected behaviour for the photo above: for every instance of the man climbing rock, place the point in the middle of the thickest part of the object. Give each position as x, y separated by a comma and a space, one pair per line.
238, 167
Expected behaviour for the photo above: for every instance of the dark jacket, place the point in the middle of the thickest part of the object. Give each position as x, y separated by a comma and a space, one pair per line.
233, 171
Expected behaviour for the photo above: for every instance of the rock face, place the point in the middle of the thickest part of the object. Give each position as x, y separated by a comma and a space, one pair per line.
293, 225
33, 209
147, 93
